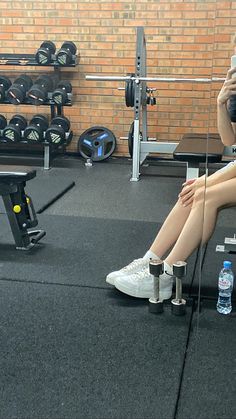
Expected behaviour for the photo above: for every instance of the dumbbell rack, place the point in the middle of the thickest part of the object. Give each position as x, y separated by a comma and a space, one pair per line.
23, 60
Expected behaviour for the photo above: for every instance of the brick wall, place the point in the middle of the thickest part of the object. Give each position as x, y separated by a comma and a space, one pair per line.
184, 39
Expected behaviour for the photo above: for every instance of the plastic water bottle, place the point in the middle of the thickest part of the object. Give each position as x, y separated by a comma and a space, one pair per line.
225, 287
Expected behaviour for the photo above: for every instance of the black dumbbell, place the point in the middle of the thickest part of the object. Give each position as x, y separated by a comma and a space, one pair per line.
44, 54
56, 133
5, 83
65, 54
13, 130
38, 93
60, 94
36, 128
17, 91
3, 122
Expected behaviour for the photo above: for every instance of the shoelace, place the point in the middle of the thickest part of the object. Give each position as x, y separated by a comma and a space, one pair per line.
132, 265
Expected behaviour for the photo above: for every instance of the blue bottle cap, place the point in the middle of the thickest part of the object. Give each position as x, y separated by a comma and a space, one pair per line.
227, 264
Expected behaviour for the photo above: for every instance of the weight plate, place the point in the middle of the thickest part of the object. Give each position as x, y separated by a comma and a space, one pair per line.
96, 143
24, 81
55, 134
33, 134
66, 85
64, 57
5, 82
131, 139
49, 45
129, 92
15, 94
69, 45
61, 121
40, 120
19, 121
12, 133
37, 95
59, 96
3, 122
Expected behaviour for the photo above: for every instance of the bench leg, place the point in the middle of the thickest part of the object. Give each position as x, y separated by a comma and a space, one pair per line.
21, 216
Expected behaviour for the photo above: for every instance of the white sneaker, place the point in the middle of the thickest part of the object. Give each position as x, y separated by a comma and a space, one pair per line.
133, 267
140, 284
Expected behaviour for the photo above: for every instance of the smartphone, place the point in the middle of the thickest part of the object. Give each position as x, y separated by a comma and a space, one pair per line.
233, 63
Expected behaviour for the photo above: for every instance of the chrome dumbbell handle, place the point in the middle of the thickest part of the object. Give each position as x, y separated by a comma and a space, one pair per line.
156, 268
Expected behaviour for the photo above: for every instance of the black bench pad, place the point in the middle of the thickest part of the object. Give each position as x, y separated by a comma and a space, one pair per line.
195, 148
16, 174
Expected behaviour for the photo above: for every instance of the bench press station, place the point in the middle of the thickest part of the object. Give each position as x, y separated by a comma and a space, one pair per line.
19, 206
190, 152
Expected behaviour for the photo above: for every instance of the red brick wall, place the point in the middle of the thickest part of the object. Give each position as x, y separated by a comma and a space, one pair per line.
184, 38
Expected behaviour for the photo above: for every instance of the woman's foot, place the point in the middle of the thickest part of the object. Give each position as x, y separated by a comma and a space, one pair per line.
140, 284
130, 269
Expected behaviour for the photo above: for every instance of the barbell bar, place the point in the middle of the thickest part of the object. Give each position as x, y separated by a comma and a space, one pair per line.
137, 79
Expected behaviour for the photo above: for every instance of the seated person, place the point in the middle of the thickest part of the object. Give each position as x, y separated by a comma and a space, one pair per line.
185, 228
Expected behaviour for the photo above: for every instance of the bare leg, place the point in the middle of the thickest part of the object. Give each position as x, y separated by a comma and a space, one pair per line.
170, 229
200, 224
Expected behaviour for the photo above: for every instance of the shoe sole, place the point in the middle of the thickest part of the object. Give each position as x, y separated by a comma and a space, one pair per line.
164, 295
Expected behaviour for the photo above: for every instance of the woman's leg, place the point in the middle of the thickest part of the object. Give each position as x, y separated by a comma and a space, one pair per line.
171, 229
200, 223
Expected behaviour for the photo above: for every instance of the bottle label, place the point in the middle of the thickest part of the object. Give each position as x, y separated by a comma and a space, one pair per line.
224, 283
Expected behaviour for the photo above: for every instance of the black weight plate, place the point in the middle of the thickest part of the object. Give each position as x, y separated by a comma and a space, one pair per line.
43, 56
55, 135
37, 96
5, 82
19, 121
15, 94
2, 94
40, 120
33, 134
3, 122
64, 57
131, 139
61, 121
96, 143
12, 133
69, 45
65, 84
59, 96
25, 81
129, 93
45, 81
49, 45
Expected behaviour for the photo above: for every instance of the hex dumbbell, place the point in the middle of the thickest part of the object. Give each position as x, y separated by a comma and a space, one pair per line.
44, 54
16, 93
156, 268
178, 304
34, 132
60, 94
65, 54
5, 84
56, 133
38, 93
13, 131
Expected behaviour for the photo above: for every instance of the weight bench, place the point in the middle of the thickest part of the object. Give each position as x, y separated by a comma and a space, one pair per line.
19, 207
195, 149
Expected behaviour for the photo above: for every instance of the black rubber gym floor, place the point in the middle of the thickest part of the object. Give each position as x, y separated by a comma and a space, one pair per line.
74, 347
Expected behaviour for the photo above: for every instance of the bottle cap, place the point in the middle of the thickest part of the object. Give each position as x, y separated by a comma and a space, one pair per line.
227, 264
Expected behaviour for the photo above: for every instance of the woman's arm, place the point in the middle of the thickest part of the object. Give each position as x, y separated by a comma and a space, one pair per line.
225, 128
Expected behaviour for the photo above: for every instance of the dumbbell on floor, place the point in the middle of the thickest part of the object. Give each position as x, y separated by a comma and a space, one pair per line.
16, 93
13, 131
5, 84
56, 133
60, 94
36, 128
38, 93
65, 54
44, 54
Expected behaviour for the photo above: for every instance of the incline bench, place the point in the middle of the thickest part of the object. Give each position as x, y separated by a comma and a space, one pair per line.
18, 205
195, 149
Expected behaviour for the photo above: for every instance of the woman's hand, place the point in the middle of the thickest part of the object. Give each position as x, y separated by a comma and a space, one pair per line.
229, 87
189, 188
